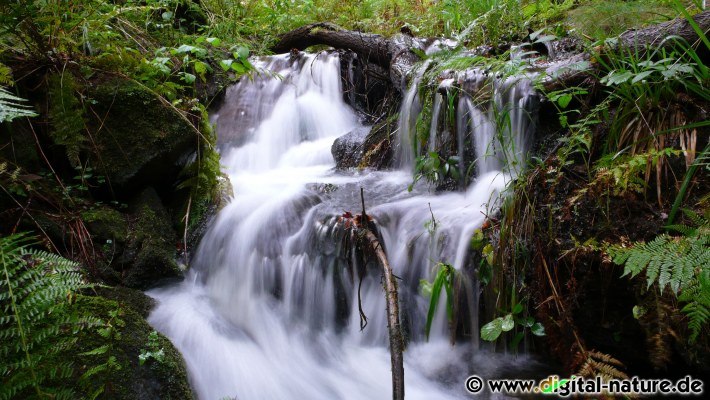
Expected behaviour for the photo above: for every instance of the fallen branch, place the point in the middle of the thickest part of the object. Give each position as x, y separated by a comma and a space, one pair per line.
368, 242
394, 54
397, 56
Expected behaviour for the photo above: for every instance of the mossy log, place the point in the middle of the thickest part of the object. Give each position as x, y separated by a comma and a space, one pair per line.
396, 54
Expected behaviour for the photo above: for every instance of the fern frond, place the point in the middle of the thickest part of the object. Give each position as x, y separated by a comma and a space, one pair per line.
11, 107
681, 263
35, 292
602, 365
697, 296
67, 116
666, 260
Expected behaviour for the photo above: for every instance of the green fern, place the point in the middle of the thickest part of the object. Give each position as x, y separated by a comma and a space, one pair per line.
66, 114
697, 296
11, 107
37, 320
681, 263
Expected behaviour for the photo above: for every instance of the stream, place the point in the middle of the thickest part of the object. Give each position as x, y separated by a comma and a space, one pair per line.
268, 310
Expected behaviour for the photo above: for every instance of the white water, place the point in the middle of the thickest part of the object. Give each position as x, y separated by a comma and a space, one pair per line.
268, 309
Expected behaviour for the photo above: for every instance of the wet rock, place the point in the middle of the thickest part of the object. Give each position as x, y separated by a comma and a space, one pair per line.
365, 85
163, 378
378, 152
150, 252
347, 149
139, 139
225, 192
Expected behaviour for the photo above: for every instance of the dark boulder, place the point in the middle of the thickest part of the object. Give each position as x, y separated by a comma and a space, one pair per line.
139, 138
151, 244
162, 377
347, 149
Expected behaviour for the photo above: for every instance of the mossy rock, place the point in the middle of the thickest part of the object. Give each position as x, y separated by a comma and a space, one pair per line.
150, 253
165, 379
106, 225
140, 139
377, 150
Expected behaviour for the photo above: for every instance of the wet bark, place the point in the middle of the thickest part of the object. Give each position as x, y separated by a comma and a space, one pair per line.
395, 54
375, 48
395, 330
656, 36
368, 243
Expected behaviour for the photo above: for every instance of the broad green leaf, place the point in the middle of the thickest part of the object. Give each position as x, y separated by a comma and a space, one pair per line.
188, 78
526, 322
638, 311
238, 68
517, 308
564, 100
492, 330
242, 52
508, 323
214, 41
617, 77
477, 240
185, 48
226, 64
488, 253
200, 67
641, 76
537, 329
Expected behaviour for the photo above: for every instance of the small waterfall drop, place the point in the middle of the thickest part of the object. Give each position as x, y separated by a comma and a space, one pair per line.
268, 310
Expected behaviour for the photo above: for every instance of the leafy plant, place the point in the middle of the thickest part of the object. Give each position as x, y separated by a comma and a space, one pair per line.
600, 364
493, 329
153, 351
109, 331
37, 290
433, 168
444, 278
66, 114
11, 106
681, 263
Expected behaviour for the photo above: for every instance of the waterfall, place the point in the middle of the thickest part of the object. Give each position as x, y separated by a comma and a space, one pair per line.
268, 309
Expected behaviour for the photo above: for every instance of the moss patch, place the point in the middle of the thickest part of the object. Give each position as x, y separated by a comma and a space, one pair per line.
152, 380
150, 252
138, 137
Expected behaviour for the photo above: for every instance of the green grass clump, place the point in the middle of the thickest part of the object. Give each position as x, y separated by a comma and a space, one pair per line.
607, 18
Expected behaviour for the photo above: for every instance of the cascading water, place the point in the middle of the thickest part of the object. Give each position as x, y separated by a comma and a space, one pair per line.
268, 310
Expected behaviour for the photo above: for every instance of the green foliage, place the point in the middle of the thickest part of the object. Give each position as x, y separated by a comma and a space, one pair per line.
681, 263
474, 21
493, 329
625, 172
445, 276
153, 351
109, 331
37, 290
433, 168
503, 22
703, 159
11, 106
200, 176
644, 84
66, 114
697, 299
606, 18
